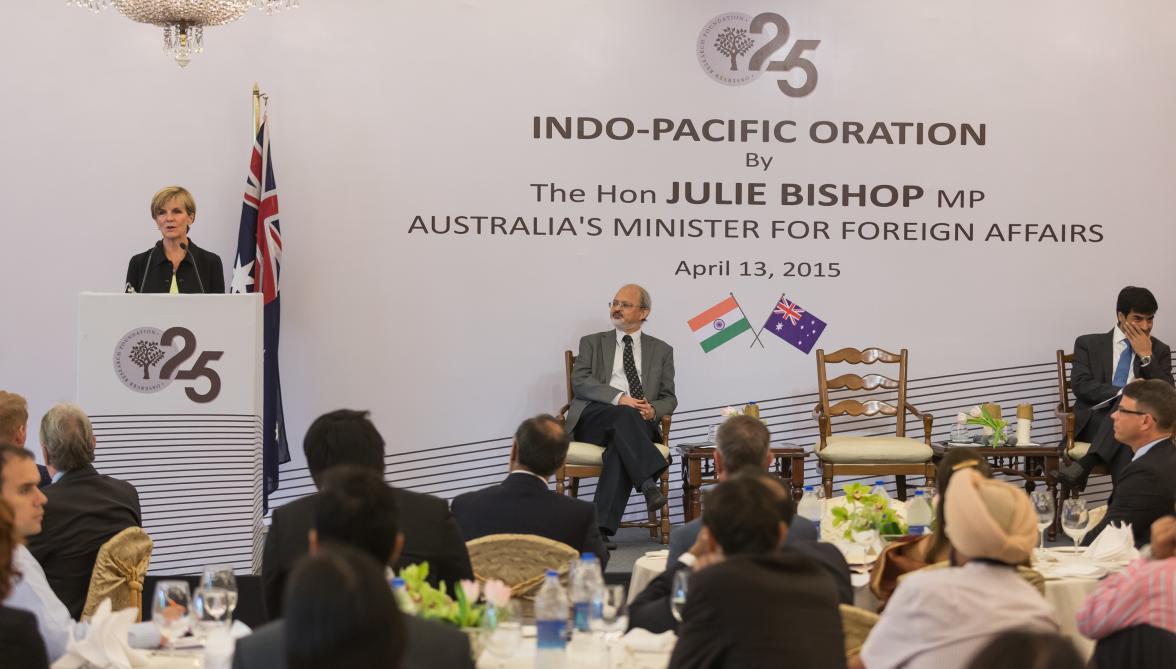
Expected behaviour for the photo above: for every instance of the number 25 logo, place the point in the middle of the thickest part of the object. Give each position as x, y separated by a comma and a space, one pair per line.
730, 37
200, 368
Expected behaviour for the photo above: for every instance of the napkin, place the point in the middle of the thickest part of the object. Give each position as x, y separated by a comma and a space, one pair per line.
1115, 543
664, 553
105, 644
643, 641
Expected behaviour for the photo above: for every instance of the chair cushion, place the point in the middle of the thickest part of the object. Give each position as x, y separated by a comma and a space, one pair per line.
873, 450
590, 455
1080, 449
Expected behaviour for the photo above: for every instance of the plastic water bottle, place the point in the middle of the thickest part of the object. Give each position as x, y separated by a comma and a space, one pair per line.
403, 599
880, 489
551, 617
811, 506
919, 514
587, 585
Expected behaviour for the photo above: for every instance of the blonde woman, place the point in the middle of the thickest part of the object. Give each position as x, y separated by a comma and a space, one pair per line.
175, 264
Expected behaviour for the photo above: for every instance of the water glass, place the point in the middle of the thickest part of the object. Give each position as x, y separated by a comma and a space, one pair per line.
502, 630
678, 593
615, 613
1043, 504
864, 534
210, 608
222, 576
1075, 519
171, 609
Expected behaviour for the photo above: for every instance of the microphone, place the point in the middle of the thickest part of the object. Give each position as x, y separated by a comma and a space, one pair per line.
188, 256
146, 267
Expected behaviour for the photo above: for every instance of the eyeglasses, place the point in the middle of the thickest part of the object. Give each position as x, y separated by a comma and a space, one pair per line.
622, 305
1132, 411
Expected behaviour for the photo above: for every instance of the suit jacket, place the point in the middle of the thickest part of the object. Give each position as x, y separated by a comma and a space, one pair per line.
430, 535
651, 608
151, 272
1093, 369
752, 611
522, 504
20, 642
682, 538
593, 371
431, 645
46, 479
1145, 492
84, 510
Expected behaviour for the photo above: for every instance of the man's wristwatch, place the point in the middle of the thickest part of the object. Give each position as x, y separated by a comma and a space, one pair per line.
1144, 360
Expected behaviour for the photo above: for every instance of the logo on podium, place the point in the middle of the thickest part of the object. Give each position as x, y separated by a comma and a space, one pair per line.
147, 360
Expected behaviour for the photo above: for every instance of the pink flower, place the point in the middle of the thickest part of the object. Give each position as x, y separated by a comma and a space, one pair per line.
471, 590
497, 592
727, 412
974, 412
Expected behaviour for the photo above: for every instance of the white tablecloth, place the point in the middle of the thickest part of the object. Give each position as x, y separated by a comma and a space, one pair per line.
580, 656
645, 570
1066, 595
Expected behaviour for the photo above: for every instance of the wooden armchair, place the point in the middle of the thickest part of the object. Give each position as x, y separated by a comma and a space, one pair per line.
586, 460
1070, 448
869, 455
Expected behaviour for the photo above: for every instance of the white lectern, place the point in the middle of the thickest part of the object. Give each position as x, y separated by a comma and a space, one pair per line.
173, 385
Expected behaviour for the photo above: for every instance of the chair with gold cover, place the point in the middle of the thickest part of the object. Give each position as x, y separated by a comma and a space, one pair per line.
872, 455
119, 571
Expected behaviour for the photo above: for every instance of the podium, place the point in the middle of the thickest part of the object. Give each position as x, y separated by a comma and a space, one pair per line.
173, 386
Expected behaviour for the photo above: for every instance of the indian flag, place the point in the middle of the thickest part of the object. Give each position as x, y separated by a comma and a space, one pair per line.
719, 324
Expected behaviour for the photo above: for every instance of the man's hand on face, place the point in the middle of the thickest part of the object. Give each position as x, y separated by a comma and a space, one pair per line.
1140, 341
1163, 538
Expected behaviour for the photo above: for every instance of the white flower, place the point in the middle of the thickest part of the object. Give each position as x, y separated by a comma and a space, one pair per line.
974, 412
961, 417
727, 412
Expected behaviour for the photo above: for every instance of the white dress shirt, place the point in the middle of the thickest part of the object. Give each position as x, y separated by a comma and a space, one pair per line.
619, 379
1146, 447
31, 592
1118, 343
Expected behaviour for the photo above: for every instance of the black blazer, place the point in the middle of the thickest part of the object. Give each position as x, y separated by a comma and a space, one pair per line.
1145, 492
430, 645
151, 272
522, 504
84, 510
1093, 370
430, 535
752, 611
651, 608
21, 644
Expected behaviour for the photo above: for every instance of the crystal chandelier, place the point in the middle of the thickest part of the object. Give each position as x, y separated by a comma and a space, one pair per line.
183, 21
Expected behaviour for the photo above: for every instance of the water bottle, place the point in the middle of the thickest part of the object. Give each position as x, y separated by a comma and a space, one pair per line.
551, 617
594, 575
880, 490
919, 514
580, 583
811, 507
403, 599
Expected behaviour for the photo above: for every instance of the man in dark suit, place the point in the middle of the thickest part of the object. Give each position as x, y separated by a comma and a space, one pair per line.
741, 441
348, 437
14, 418
356, 508
1146, 491
1103, 364
746, 589
622, 385
522, 504
84, 509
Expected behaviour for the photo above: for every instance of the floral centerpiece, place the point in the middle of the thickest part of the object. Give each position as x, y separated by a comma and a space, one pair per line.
464, 609
983, 415
865, 510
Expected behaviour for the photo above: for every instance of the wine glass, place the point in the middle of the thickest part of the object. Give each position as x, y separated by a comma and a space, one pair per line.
615, 613
1043, 504
1075, 520
678, 593
502, 630
209, 608
222, 576
171, 609
864, 534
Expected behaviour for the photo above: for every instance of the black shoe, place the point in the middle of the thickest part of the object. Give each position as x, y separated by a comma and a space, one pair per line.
1072, 476
654, 499
608, 541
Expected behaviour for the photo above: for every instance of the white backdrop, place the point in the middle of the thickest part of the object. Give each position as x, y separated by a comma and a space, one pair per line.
385, 111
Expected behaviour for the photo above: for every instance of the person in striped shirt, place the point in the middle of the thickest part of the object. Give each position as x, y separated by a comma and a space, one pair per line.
1142, 594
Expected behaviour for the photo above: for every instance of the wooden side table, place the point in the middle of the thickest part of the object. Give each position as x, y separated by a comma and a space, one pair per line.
698, 469
1032, 464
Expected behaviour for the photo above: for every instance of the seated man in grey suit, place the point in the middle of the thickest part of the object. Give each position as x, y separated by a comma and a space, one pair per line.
357, 508
741, 441
522, 504
622, 385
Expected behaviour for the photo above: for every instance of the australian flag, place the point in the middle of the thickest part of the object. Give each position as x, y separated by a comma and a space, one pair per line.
257, 270
795, 325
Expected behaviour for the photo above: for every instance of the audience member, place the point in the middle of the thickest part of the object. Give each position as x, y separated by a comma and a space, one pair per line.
84, 509
14, 418
349, 437
522, 504
1139, 602
356, 508
904, 556
741, 441
1146, 490
942, 617
21, 644
341, 613
1034, 650
750, 602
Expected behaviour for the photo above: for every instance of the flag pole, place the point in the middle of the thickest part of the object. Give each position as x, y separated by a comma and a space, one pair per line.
753, 332
256, 108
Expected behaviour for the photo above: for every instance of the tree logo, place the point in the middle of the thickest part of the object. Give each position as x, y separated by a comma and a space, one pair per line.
138, 359
723, 46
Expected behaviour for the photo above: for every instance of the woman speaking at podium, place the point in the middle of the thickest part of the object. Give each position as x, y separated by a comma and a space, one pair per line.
175, 264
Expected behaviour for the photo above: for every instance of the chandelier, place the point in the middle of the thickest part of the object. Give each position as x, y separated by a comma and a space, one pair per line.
183, 21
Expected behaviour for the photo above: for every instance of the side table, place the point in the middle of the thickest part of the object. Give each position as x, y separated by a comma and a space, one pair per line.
698, 469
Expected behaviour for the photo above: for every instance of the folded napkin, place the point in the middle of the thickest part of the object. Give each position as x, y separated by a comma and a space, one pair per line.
105, 644
1115, 543
1076, 569
643, 641
664, 553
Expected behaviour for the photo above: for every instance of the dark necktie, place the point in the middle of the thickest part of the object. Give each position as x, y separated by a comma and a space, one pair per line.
635, 390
